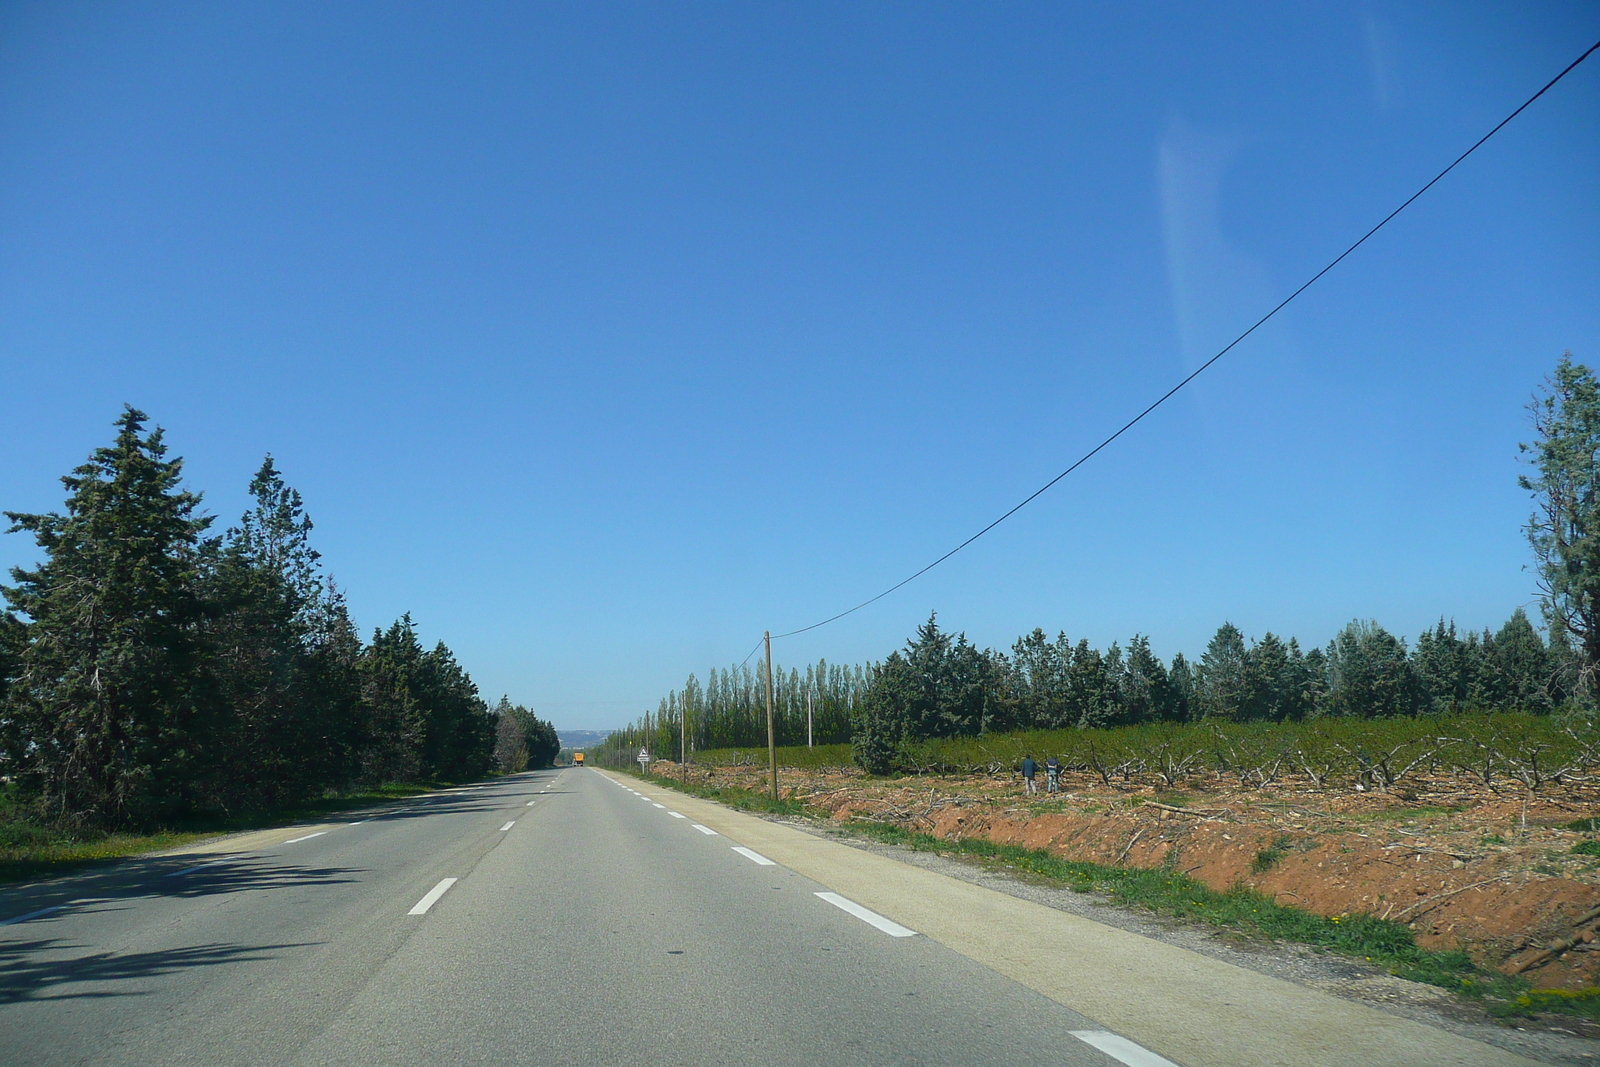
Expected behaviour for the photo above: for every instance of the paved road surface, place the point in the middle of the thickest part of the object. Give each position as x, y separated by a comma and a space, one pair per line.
564, 917
596, 929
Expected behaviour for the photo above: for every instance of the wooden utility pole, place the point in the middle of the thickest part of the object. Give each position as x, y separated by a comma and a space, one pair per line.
683, 738
808, 720
772, 737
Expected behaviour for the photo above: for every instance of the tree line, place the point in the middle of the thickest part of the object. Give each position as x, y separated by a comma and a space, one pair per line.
150, 669
940, 685
730, 710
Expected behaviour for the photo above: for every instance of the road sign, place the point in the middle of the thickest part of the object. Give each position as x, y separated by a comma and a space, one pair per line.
644, 758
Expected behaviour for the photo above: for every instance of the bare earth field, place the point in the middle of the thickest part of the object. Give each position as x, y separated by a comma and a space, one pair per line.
1492, 873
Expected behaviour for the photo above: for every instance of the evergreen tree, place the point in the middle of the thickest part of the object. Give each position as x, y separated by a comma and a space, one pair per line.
1564, 530
880, 727
110, 700
1369, 674
1267, 680
1184, 704
1518, 672
1146, 693
285, 739
510, 739
1221, 682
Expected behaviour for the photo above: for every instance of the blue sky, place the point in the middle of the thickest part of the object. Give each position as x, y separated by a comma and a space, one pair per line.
602, 337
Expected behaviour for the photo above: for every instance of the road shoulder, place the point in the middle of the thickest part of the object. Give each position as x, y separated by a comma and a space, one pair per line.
1196, 1010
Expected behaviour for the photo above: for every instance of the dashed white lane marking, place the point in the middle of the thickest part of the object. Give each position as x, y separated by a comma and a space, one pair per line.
1120, 1048
888, 926
31, 915
663, 806
530, 803
422, 906
508, 826
705, 829
196, 867
358, 822
675, 814
307, 837
754, 857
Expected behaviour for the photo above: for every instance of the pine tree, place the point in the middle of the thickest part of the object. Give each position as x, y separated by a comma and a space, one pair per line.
1564, 530
1369, 674
1221, 683
110, 701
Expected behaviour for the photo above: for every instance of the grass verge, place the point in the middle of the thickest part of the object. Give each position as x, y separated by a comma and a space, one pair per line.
31, 850
1385, 944
733, 796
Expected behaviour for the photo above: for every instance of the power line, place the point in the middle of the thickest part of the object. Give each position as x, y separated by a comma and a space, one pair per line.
1207, 364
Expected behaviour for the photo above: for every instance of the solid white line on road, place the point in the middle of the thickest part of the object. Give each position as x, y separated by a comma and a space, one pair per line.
675, 815
31, 915
888, 926
754, 857
705, 829
360, 821
433, 896
658, 805
307, 837
197, 867
508, 826
1120, 1048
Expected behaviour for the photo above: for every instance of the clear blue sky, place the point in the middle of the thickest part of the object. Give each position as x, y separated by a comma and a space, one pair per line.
601, 337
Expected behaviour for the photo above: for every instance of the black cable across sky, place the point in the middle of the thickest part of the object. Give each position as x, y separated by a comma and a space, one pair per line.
1131, 423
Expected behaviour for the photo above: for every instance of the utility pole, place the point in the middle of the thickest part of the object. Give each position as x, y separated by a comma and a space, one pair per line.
683, 738
808, 719
772, 737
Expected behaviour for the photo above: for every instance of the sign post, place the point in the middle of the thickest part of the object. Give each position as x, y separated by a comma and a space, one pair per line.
644, 761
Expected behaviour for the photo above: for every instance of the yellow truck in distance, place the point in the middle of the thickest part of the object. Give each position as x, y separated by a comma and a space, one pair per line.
577, 759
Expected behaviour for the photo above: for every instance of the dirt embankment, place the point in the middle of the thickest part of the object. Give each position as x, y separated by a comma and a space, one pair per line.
1491, 873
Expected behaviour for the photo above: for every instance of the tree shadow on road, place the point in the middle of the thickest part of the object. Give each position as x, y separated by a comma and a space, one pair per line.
177, 876
25, 976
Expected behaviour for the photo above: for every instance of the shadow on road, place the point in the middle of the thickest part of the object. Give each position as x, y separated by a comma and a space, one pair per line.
25, 976
174, 876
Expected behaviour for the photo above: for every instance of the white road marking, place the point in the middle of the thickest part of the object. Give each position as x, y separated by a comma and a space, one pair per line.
307, 837
658, 805
433, 896
675, 815
754, 857
530, 804
888, 926
1120, 1048
360, 821
31, 915
705, 829
197, 867
508, 826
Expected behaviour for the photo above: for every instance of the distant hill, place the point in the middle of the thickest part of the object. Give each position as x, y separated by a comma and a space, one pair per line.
581, 738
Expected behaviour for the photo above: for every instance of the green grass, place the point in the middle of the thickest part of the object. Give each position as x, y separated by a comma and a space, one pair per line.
733, 796
1386, 944
1268, 857
1586, 848
31, 849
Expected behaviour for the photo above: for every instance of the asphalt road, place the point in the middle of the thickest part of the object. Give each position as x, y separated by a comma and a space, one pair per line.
585, 924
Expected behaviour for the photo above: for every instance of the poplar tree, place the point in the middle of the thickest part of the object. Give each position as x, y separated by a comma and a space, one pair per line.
109, 697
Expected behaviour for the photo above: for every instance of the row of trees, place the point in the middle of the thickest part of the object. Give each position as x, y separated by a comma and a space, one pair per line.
150, 669
940, 685
730, 710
